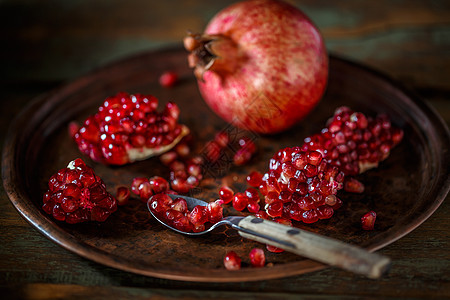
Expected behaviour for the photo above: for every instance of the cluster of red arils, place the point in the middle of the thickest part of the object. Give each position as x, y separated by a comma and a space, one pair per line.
302, 182
175, 213
75, 194
128, 128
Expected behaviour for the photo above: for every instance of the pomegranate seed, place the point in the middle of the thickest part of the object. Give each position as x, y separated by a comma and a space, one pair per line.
240, 201
168, 79
212, 151
257, 258
145, 191
254, 179
222, 139
179, 204
368, 220
168, 158
136, 183
226, 194
123, 195
158, 184
76, 195
182, 150
198, 215
73, 128
352, 185
232, 261
274, 249
215, 211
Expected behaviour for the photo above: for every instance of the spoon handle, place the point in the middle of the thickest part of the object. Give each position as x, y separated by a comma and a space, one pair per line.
314, 246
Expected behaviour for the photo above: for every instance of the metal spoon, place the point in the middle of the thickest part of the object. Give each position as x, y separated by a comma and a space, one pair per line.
298, 241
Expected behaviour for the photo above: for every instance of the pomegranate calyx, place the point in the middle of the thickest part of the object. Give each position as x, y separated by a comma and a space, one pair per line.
211, 53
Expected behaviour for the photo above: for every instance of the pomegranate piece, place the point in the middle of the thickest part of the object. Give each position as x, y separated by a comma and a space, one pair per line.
257, 257
254, 179
232, 261
245, 151
128, 128
368, 220
274, 249
353, 142
75, 194
122, 195
168, 79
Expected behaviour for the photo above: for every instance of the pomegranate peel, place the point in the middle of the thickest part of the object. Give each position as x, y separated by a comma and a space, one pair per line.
263, 61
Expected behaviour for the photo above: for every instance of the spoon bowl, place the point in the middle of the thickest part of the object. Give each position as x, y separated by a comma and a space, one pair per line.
302, 242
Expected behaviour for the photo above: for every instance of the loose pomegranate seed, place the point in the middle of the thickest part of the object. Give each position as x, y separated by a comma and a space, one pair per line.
222, 139
212, 151
240, 201
158, 184
123, 195
352, 185
274, 249
232, 261
254, 179
168, 79
127, 128
168, 157
257, 258
226, 194
368, 220
182, 149
76, 195
145, 191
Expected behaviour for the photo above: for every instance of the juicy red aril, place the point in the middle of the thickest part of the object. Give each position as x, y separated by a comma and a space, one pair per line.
245, 151
353, 186
257, 258
179, 204
240, 201
76, 195
127, 128
254, 179
232, 261
123, 195
158, 184
368, 220
226, 194
274, 249
222, 139
168, 79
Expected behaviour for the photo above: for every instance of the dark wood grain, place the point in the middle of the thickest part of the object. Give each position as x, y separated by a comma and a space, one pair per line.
51, 42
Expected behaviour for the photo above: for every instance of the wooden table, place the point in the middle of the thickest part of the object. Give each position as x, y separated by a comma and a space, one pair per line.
49, 43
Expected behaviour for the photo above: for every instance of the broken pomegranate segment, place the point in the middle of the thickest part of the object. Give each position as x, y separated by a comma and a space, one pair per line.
128, 128
175, 213
354, 142
232, 261
302, 182
368, 220
75, 194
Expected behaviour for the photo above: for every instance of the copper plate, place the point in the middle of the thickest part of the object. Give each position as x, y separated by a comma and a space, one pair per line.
405, 190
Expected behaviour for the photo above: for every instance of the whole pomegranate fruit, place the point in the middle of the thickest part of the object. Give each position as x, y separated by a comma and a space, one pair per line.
261, 65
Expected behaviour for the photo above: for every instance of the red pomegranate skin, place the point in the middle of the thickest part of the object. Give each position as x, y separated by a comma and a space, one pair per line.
280, 71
